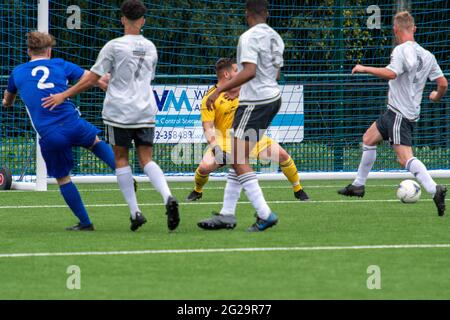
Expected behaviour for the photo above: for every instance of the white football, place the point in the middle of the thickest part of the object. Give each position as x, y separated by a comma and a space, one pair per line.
409, 191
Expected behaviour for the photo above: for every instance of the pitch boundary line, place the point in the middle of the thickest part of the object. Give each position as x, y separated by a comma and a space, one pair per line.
107, 205
226, 250
217, 188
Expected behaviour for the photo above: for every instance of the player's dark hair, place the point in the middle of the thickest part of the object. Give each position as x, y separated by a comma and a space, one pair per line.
39, 42
258, 7
224, 63
133, 9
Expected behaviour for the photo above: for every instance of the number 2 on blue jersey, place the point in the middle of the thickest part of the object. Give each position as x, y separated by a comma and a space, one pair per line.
41, 84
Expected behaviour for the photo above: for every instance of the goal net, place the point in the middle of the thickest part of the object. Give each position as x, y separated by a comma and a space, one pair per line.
325, 109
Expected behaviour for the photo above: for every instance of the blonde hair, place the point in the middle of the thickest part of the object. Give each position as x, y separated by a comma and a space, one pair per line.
404, 20
39, 42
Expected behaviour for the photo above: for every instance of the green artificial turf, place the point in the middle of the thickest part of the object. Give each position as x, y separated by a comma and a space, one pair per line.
30, 223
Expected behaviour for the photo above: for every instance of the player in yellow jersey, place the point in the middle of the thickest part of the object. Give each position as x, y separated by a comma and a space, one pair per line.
217, 124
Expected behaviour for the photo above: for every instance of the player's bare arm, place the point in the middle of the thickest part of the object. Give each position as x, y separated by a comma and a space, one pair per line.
442, 86
382, 73
8, 98
88, 81
210, 134
248, 72
209, 131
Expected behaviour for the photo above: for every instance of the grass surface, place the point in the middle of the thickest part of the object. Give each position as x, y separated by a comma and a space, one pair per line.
34, 223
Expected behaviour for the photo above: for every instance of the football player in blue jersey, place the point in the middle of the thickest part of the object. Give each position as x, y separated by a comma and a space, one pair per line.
62, 128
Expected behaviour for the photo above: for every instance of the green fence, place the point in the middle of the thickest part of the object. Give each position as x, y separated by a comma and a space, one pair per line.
324, 40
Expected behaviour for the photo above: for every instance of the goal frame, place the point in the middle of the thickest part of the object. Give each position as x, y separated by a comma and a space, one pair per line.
41, 182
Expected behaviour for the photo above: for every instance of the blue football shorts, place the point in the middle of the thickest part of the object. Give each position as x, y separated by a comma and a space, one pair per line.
56, 147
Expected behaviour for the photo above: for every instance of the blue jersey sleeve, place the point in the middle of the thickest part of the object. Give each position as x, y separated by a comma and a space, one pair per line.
73, 71
11, 84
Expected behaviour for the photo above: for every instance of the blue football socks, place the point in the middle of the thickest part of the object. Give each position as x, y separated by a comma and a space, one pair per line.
73, 199
104, 151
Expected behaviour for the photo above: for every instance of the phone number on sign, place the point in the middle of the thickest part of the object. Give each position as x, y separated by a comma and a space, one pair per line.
169, 135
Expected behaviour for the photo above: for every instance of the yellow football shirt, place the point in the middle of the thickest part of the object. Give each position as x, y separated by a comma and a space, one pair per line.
223, 116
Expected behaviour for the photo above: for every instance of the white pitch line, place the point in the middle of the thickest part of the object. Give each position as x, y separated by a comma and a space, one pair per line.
201, 203
214, 188
224, 250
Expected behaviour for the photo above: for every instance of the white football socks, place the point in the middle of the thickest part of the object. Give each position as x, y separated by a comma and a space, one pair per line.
367, 160
418, 169
232, 193
126, 184
157, 179
249, 182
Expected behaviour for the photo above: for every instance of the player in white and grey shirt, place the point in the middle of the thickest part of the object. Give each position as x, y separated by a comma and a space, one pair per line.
410, 68
129, 108
260, 57
263, 47
413, 66
130, 62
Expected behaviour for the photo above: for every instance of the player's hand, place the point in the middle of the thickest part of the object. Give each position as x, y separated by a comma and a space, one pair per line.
232, 94
103, 82
211, 100
52, 101
434, 96
359, 69
4, 102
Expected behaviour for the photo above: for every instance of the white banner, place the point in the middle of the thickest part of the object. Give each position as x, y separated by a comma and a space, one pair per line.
178, 119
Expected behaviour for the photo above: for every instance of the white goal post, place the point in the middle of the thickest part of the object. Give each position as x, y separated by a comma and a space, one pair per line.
40, 179
40, 183
41, 169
